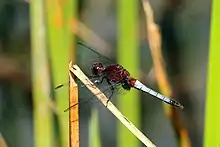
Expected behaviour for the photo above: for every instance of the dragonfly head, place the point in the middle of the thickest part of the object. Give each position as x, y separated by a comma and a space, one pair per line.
97, 69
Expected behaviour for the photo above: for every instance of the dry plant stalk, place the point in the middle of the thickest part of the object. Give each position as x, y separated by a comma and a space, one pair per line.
154, 39
73, 114
88, 35
2, 141
12, 69
99, 95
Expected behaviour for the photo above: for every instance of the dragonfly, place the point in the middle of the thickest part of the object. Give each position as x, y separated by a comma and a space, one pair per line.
115, 77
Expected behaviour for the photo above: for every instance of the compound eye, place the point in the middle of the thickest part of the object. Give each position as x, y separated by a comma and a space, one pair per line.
94, 70
97, 68
100, 65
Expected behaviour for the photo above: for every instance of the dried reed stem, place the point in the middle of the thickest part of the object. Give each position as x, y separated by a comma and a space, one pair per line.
88, 35
99, 95
2, 141
154, 39
73, 114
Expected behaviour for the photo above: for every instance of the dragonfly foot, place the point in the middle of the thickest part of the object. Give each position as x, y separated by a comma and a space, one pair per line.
107, 102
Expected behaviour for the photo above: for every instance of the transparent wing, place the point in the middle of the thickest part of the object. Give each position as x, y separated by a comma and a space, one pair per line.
87, 56
88, 99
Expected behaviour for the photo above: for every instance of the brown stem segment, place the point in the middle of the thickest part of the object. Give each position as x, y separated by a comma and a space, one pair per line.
74, 112
2, 141
154, 39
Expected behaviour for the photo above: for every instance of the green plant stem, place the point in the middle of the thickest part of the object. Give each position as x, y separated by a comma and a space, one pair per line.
212, 115
128, 56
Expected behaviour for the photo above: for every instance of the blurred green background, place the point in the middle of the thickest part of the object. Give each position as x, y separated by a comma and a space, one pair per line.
37, 40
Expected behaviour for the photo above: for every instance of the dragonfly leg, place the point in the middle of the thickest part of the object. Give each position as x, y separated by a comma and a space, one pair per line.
95, 81
99, 81
112, 90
